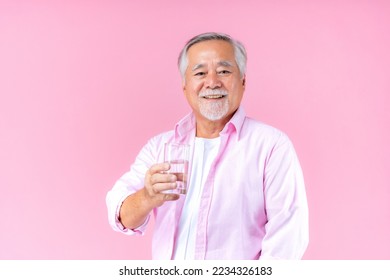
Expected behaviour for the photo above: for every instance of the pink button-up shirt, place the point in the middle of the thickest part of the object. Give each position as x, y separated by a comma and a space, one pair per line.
253, 203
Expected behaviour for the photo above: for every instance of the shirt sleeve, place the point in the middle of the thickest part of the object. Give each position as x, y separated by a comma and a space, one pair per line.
287, 227
128, 184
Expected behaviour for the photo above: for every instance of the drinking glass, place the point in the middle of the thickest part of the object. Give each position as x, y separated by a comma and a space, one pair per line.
177, 155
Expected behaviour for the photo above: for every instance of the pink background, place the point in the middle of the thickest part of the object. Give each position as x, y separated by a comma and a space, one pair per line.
84, 84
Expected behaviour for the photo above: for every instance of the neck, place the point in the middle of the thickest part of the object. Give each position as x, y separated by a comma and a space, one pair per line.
210, 129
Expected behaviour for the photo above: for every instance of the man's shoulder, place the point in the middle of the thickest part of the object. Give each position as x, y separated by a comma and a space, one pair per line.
257, 127
261, 133
164, 136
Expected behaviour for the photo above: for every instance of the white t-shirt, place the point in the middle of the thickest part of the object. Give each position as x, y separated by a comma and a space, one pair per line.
205, 151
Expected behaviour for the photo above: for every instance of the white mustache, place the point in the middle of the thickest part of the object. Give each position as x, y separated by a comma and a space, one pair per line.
210, 92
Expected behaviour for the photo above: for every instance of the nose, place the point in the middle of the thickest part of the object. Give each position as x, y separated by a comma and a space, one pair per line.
212, 81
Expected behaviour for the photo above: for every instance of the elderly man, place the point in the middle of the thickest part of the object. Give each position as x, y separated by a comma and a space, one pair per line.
246, 197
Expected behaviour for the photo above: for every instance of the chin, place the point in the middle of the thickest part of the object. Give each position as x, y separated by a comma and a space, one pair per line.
215, 112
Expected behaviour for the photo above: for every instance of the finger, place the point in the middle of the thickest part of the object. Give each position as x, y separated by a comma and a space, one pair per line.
162, 178
160, 187
153, 171
159, 167
180, 176
170, 196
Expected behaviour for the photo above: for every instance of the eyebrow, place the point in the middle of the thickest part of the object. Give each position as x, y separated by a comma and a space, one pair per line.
220, 63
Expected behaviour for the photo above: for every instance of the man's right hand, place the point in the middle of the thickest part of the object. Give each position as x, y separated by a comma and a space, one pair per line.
136, 207
158, 182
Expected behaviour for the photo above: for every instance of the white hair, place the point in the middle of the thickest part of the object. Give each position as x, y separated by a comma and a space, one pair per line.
239, 51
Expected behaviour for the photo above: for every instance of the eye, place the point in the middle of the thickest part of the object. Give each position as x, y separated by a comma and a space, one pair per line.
224, 72
200, 74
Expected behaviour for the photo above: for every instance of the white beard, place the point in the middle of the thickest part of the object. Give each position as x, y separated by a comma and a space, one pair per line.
215, 110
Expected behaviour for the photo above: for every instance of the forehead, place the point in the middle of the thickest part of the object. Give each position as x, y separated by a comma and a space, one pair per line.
210, 50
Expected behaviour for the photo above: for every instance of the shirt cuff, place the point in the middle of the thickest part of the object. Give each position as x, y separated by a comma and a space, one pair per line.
137, 231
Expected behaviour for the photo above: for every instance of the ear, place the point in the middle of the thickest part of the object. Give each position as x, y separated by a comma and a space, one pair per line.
243, 81
183, 85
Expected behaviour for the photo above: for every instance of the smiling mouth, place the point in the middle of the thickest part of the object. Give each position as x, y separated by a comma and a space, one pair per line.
216, 96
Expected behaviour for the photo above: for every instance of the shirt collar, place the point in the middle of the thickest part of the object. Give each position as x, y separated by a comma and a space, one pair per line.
188, 124
235, 123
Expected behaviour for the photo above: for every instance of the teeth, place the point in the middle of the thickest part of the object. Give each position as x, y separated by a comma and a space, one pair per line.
213, 96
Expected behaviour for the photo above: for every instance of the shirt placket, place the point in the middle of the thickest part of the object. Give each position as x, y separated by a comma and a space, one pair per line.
205, 203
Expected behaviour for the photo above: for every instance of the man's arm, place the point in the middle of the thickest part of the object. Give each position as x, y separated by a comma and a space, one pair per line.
287, 230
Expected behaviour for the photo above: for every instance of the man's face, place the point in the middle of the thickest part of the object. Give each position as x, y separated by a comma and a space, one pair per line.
213, 85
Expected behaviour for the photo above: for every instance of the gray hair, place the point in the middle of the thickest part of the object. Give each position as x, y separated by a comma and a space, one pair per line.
239, 51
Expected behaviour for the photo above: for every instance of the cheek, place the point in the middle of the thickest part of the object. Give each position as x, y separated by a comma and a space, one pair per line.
193, 90
194, 84
197, 87
190, 95
239, 91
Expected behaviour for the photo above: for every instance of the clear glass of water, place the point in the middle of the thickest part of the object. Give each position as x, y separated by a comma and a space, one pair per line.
177, 155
